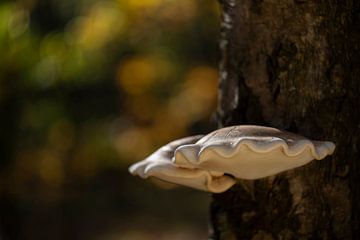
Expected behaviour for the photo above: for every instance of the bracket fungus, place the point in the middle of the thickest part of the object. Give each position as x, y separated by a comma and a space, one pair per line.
213, 162
160, 165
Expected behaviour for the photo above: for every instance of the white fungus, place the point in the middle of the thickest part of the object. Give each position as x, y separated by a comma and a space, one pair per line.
212, 162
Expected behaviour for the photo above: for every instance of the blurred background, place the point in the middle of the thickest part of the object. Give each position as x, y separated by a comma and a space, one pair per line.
87, 88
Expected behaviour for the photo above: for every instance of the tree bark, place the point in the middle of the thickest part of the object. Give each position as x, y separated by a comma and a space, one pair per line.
293, 64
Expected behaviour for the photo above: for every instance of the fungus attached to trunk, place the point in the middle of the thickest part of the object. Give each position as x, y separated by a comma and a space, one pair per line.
212, 162
160, 165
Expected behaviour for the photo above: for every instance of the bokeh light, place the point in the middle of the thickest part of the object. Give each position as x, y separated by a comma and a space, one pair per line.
86, 89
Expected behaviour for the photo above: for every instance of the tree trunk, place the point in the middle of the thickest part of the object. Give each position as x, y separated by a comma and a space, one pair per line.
293, 64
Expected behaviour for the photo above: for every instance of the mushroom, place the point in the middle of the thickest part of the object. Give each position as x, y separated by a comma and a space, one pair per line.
244, 152
251, 152
160, 165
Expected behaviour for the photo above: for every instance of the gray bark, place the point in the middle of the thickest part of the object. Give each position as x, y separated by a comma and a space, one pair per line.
294, 65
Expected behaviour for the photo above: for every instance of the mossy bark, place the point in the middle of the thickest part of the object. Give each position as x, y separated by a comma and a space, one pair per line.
294, 65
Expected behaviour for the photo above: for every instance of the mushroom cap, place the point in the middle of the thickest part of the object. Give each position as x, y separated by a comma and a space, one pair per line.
251, 152
161, 166
211, 162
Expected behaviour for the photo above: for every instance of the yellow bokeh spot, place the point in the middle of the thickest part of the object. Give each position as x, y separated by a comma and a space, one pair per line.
198, 96
98, 26
172, 12
139, 74
178, 12
133, 143
51, 169
139, 4
201, 82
